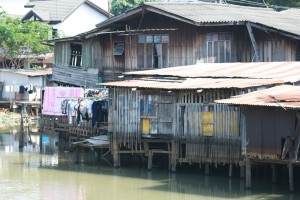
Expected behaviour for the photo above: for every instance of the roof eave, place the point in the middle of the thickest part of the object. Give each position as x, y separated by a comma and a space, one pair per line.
120, 17
271, 29
97, 8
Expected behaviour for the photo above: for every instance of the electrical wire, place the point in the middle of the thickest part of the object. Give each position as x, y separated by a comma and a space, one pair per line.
253, 3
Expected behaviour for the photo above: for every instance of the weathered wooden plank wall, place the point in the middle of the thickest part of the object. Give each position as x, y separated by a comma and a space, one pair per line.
267, 129
145, 112
76, 76
187, 45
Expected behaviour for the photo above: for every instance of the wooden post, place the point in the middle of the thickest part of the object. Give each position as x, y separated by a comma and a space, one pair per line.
206, 169
242, 171
253, 41
116, 155
41, 142
77, 154
248, 173
173, 167
274, 173
21, 134
230, 170
173, 156
150, 158
291, 175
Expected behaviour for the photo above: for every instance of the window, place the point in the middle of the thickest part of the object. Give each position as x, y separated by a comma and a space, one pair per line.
76, 50
153, 51
219, 48
119, 48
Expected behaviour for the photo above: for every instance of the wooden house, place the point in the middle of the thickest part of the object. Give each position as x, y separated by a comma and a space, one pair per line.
272, 125
177, 104
163, 35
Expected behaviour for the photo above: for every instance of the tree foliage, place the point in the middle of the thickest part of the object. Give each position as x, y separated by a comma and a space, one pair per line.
21, 40
120, 6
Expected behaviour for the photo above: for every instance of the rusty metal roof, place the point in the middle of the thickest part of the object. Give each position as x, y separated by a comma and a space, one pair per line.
285, 96
285, 71
193, 83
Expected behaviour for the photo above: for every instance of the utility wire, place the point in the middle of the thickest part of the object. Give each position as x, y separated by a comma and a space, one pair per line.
253, 3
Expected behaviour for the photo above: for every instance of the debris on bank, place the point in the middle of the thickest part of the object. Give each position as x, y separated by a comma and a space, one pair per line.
8, 118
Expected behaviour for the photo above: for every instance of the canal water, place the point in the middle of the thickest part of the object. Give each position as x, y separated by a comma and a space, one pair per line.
51, 172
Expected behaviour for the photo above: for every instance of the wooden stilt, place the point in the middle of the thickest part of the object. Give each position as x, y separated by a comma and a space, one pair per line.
173, 168
206, 169
242, 171
248, 173
41, 142
291, 175
274, 173
77, 154
230, 170
116, 155
173, 156
150, 159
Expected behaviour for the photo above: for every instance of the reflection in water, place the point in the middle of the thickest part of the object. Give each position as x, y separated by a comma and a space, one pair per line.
50, 172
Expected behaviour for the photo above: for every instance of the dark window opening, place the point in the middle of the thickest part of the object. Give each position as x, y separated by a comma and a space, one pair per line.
153, 51
119, 48
218, 48
76, 50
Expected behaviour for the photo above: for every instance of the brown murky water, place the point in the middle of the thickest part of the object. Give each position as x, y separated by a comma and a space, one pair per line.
27, 173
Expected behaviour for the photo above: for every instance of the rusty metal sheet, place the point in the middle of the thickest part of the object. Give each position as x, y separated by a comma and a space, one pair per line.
286, 71
196, 83
284, 96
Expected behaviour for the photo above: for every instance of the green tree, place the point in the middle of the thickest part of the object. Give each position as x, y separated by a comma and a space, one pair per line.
21, 40
120, 6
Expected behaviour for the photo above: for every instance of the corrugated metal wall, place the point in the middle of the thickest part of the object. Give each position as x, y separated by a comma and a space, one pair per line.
266, 128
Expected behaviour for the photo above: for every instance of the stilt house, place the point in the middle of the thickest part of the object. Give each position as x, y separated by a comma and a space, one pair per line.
272, 127
163, 35
178, 103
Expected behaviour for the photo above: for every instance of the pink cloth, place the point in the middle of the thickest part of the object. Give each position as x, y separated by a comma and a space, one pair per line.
53, 97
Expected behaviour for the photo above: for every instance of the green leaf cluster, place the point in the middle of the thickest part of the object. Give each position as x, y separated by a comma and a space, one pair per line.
20, 39
120, 6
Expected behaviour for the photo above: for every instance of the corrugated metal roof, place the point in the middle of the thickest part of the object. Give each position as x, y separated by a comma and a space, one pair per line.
58, 10
30, 72
286, 71
193, 83
199, 13
285, 96
202, 12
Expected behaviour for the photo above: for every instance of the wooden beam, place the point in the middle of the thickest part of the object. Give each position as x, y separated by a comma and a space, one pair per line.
253, 41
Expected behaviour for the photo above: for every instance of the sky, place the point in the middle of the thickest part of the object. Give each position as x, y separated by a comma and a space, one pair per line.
14, 7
